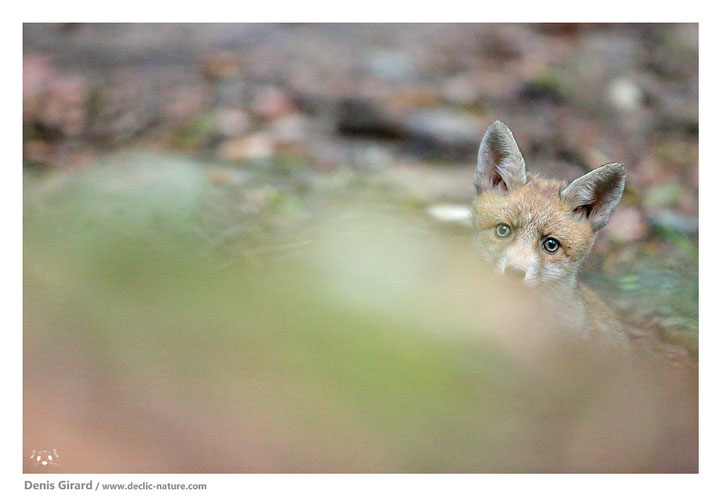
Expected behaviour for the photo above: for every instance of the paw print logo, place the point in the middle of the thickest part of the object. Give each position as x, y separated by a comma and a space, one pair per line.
45, 457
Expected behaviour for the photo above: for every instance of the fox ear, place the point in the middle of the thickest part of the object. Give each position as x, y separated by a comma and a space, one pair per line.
500, 164
595, 195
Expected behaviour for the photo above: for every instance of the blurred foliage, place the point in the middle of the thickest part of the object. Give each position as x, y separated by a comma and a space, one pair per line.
327, 332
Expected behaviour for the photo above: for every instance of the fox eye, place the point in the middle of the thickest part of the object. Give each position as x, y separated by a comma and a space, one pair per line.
502, 230
550, 244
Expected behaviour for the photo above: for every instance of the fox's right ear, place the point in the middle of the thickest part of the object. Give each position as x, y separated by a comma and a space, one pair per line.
500, 164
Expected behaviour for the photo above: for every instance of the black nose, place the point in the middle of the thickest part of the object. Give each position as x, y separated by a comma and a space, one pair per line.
514, 273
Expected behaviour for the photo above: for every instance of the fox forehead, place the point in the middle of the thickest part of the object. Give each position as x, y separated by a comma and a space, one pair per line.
535, 205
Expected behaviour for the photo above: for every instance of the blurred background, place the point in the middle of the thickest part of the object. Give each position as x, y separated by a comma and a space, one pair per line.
245, 248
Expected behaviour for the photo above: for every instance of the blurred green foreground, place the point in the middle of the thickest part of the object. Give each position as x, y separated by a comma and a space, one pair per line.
181, 321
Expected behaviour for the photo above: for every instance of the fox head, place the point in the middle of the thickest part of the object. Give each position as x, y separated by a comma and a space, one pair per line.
534, 229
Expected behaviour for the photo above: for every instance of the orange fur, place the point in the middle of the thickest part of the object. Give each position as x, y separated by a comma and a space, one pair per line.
531, 210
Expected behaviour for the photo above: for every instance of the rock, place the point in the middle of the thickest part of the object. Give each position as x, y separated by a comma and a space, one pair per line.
444, 130
258, 146
373, 156
386, 64
292, 128
221, 65
541, 91
53, 100
232, 122
460, 90
182, 103
410, 98
272, 103
625, 95
450, 213
38, 75
362, 116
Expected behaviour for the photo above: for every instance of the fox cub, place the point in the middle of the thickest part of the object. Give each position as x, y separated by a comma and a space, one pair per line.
539, 231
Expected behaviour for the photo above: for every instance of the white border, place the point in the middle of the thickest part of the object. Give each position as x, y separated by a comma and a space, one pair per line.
367, 11
707, 483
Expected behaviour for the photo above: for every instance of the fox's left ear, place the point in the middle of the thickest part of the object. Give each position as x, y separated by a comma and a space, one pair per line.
597, 193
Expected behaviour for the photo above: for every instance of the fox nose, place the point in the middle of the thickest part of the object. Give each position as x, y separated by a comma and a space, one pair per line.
514, 273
